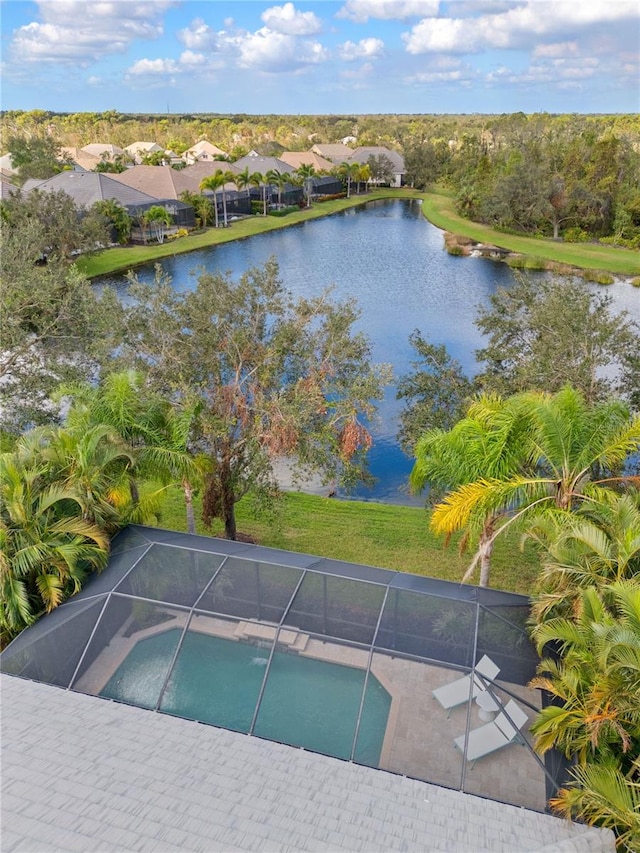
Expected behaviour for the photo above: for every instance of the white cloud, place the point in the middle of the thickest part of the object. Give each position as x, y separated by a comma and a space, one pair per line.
79, 33
360, 11
358, 74
198, 36
369, 48
191, 59
288, 20
266, 50
436, 77
153, 67
517, 27
563, 48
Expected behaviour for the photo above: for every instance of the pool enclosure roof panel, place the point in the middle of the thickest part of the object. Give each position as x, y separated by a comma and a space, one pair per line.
168, 603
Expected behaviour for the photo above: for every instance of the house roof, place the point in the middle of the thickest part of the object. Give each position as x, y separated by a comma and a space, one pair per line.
158, 181
7, 187
301, 158
203, 148
86, 188
144, 147
362, 154
6, 164
332, 150
98, 149
257, 163
204, 168
81, 158
118, 778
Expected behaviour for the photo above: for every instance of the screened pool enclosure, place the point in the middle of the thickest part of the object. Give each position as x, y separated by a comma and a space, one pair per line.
417, 676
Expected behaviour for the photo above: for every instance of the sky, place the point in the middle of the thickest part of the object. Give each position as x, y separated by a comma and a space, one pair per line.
322, 57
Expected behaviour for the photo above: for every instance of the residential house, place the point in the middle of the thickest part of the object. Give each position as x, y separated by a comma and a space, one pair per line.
104, 151
203, 150
137, 151
257, 163
334, 151
295, 159
158, 181
79, 160
205, 168
6, 165
363, 153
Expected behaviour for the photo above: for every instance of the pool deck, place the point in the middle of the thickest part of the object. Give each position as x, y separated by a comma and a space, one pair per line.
419, 737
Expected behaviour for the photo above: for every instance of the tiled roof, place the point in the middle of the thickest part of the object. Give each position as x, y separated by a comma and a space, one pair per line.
362, 154
158, 181
84, 774
85, 188
98, 149
256, 163
332, 150
299, 158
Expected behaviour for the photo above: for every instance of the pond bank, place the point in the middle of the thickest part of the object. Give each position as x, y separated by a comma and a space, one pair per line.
524, 252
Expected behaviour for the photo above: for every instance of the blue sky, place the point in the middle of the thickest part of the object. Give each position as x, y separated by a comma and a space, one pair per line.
332, 56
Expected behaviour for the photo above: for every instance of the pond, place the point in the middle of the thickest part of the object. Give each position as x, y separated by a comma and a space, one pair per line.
389, 258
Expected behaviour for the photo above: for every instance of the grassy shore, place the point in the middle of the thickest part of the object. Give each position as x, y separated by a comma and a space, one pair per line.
437, 207
384, 535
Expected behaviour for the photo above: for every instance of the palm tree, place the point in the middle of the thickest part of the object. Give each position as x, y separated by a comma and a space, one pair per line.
569, 452
348, 172
219, 180
159, 432
277, 178
244, 181
305, 172
46, 547
595, 716
117, 216
364, 174
483, 444
158, 219
213, 183
594, 546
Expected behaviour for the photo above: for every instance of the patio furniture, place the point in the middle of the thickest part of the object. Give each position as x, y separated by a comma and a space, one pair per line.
469, 686
505, 729
488, 705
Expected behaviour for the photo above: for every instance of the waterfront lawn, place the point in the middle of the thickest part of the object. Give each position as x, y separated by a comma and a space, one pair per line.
439, 210
375, 534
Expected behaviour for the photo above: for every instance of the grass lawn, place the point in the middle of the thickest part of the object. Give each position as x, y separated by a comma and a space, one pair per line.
384, 535
438, 207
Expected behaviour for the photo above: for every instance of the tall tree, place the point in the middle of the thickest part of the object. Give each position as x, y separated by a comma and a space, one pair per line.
544, 334
55, 326
305, 172
158, 220
34, 156
568, 451
275, 378
436, 392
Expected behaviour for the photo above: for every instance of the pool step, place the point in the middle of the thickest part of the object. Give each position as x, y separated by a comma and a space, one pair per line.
293, 640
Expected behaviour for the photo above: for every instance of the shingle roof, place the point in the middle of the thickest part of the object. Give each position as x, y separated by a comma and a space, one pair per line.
158, 181
256, 163
85, 188
299, 158
332, 150
110, 777
362, 154
100, 148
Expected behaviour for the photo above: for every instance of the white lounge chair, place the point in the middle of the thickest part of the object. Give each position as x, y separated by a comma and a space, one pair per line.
465, 688
502, 731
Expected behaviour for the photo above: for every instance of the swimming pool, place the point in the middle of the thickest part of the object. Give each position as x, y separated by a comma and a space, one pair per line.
306, 702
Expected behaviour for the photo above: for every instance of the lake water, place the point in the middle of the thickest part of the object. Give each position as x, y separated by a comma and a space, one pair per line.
389, 258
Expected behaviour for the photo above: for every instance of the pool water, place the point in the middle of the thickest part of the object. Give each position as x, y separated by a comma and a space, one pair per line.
306, 702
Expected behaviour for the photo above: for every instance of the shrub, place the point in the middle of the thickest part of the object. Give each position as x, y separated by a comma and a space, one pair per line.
576, 235
181, 232
283, 211
455, 250
636, 281
330, 197
527, 262
598, 276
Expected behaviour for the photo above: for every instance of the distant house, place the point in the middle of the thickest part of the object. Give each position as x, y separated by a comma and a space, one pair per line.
257, 163
7, 187
79, 160
103, 150
6, 165
205, 168
139, 150
203, 150
158, 181
363, 153
334, 151
295, 159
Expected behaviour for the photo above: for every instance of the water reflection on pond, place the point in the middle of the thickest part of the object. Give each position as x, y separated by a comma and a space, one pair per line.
391, 260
